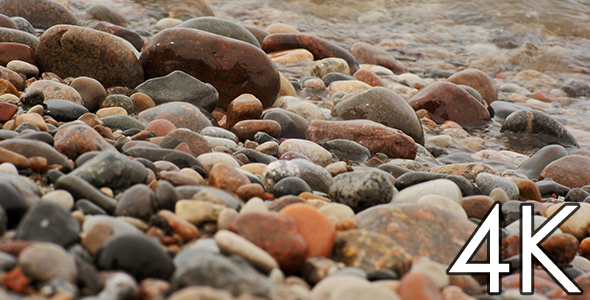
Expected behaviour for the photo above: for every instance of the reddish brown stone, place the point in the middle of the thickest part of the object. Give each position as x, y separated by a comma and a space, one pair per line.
583, 281
226, 177
244, 107
124, 33
8, 35
368, 77
585, 248
571, 171
369, 54
14, 158
467, 283
258, 33
477, 206
561, 248
479, 81
6, 22
421, 229
16, 51
103, 13
160, 126
94, 237
75, 139
376, 137
153, 289
248, 191
179, 179
56, 90
16, 280
320, 48
446, 101
541, 285
40, 13
142, 102
72, 51
196, 143
418, 286
245, 130
38, 164
233, 67
276, 234
510, 246
180, 226
317, 231
346, 224
182, 115
32, 148
13, 77
91, 91
528, 189
7, 110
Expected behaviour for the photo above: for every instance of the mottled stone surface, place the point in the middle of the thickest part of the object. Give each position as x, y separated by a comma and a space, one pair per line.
537, 128
246, 129
382, 106
14, 78
362, 189
76, 139
196, 143
56, 90
478, 80
369, 54
221, 27
103, 13
369, 251
182, 115
72, 51
446, 101
421, 229
376, 137
40, 13
315, 176
13, 36
571, 171
320, 48
231, 66
244, 107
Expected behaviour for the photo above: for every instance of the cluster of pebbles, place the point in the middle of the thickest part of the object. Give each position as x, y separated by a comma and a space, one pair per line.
187, 165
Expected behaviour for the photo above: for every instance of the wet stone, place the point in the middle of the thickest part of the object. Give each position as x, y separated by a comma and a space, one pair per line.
368, 77
218, 132
41, 13
246, 129
561, 248
369, 54
537, 129
404, 223
320, 48
442, 100
487, 182
196, 143
289, 186
374, 136
477, 80
118, 100
179, 86
330, 65
81, 189
136, 254
221, 27
244, 107
118, 60
280, 237
348, 150
477, 206
30, 70
411, 178
64, 110
315, 176
91, 90
75, 139
13, 78
568, 171
533, 166
48, 221
182, 49
256, 157
382, 106
56, 90
227, 177
362, 189
182, 115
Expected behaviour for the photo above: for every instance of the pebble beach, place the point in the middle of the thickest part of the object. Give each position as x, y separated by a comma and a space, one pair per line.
287, 150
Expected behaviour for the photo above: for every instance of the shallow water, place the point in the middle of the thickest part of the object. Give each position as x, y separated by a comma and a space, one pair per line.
494, 36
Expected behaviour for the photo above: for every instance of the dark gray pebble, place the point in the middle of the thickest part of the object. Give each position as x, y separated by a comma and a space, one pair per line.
48, 221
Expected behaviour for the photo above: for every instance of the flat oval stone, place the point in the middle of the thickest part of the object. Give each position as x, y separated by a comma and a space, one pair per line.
246, 129
290, 186
8, 35
91, 90
48, 221
56, 90
441, 187
64, 110
103, 13
72, 51
478, 80
487, 182
279, 237
179, 158
32, 148
111, 169
22, 67
183, 49
368, 77
536, 128
316, 177
362, 189
569, 171
139, 202
179, 86
313, 151
182, 115
244, 107
227, 177
446, 101
136, 254
221, 27
348, 150
40, 13
533, 166
16, 51
382, 106
118, 100
197, 144
75, 139
576, 224
218, 132
123, 122
376, 137
411, 178
369, 54
47, 261
231, 243
403, 223
320, 48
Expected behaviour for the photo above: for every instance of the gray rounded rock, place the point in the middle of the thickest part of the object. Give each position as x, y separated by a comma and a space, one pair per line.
46, 261
315, 176
487, 182
362, 189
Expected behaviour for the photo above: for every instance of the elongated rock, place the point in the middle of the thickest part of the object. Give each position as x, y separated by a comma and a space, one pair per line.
320, 48
32, 148
233, 67
376, 137
539, 127
79, 188
369, 54
73, 51
40, 13
221, 27
8, 35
